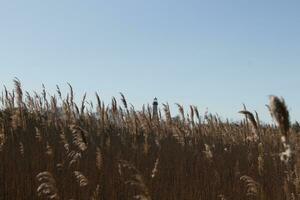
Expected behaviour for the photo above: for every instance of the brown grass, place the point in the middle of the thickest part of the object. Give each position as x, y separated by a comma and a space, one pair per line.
52, 149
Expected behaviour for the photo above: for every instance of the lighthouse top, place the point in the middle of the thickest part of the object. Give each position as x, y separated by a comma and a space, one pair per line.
155, 103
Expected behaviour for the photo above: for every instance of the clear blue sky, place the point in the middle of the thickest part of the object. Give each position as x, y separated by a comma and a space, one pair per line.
215, 54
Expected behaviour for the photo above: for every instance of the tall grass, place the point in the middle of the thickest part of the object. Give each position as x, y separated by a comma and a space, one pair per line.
52, 148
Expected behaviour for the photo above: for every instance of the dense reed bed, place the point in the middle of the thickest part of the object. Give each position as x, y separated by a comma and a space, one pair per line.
51, 148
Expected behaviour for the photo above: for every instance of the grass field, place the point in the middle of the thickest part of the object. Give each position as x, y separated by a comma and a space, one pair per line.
51, 148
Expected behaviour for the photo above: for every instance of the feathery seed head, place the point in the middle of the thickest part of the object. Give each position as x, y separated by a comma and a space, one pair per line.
280, 113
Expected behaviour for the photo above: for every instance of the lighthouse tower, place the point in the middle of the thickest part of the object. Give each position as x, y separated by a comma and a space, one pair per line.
155, 108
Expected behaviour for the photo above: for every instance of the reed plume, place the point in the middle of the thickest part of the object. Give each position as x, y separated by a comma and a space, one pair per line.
47, 187
280, 113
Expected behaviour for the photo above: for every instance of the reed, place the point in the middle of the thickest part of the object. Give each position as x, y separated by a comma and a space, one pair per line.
51, 148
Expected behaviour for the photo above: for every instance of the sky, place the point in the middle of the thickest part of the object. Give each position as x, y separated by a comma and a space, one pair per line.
214, 54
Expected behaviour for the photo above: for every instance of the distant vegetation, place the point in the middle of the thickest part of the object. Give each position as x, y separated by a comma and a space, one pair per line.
51, 148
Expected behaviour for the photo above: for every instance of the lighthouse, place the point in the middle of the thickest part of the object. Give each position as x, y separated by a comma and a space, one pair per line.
155, 108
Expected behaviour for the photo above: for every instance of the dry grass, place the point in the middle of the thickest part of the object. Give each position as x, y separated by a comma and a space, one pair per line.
52, 149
